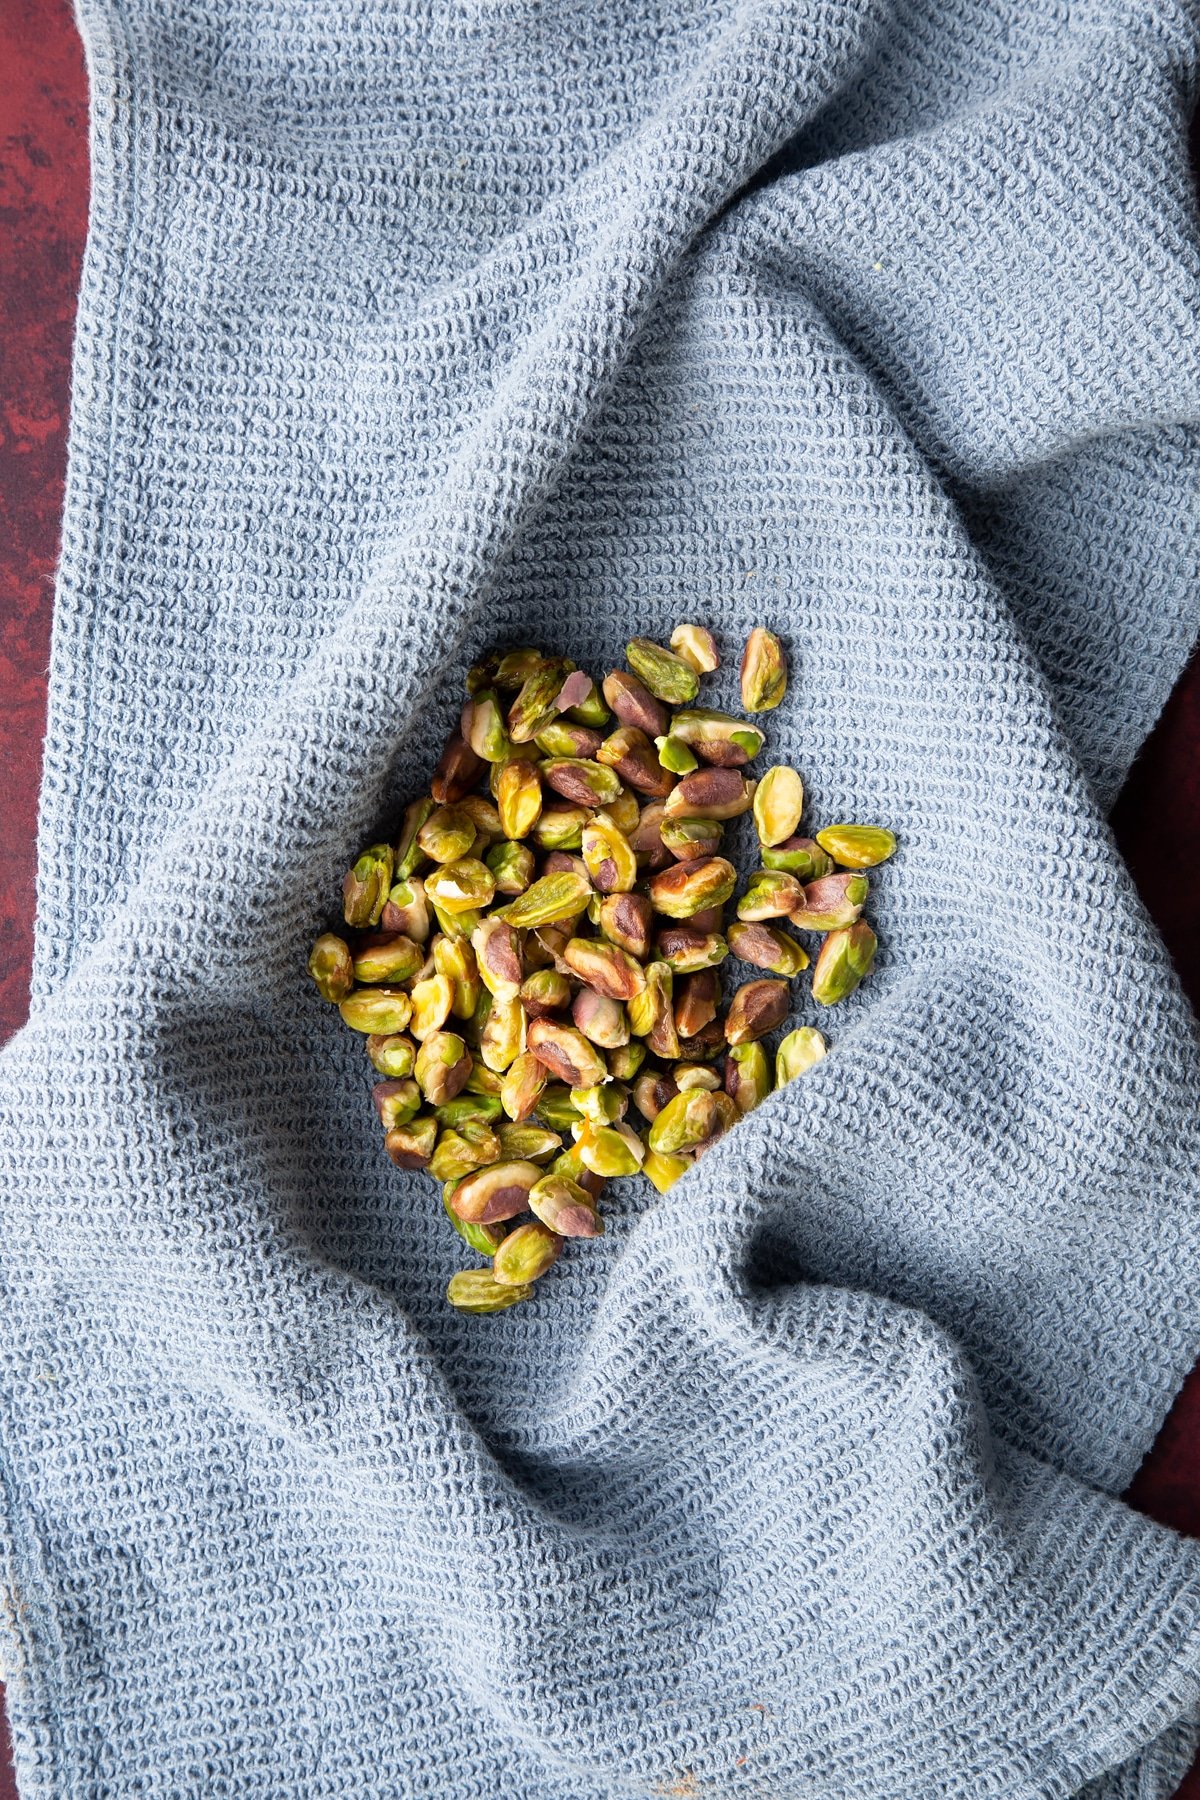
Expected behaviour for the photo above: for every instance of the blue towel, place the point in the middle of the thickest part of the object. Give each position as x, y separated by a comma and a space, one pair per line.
408, 329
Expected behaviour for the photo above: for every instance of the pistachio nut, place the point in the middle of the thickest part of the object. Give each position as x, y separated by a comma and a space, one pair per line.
778, 803
392, 1054
365, 886
716, 737
857, 846
688, 839
705, 1045
601, 1019
500, 1191
687, 1120
486, 1239
442, 1066
396, 1102
514, 668
709, 918
409, 854
588, 784
537, 702
378, 1011
518, 798
628, 753
662, 1037
332, 967
846, 956
756, 1008
667, 676
431, 1003
674, 755
710, 793
560, 827
624, 1060
502, 1038
764, 671
605, 967
486, 819
561, 738
646, 838
512, 866
727, 1117
651, 1093
646, 1008
697, 646
634, 704
456, 924
522, 1141
565, 1207
664, 1171
566, 1053
406, 911
625, 920
590, 712
462, 886
411, 1146
454, 958
482, 725
770, 894
610, 1150
624, 812
747, 1075
684, 949
476, 1291
832, 902
457, 1153
524, 1080
696, 1000
799, 856
525, 1254
482, 1081
687, 1075
468, 1109
497, 948
551, 898
605, 1104
767, 948
556, 1107
798, 1053
545, 991
688, 886
458, 771
608, 857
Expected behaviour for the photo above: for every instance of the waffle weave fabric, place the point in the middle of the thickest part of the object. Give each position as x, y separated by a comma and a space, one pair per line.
408, 329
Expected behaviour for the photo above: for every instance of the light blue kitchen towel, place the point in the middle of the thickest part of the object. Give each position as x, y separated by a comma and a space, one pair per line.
411, 326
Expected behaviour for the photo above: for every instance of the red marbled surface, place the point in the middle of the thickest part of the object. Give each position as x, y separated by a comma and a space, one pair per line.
43, 218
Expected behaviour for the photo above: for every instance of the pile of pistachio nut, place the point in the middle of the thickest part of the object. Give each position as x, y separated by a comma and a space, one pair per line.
536, 964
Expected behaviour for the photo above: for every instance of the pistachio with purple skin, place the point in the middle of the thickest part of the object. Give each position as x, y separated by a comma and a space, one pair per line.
832, 902
587, 784
756, 1009
625, 920
767, 948
630, 754
392, 1054
458, 771
747, 1075
651, 1093
566, 1207
498, 1192
524, 1081
566, 1053
498, 955
771, 894
537, 702
406, 910
635, 705
411, 1146
601, 1019
545, 992
685, 949
396, 1102
697, 997
710, 794
605, 967
647, 840
690, 886
718, 738
687, 839
561, 738
442, 1066
608, 857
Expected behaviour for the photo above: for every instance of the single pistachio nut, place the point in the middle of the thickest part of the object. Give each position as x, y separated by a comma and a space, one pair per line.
756, 1008
525, 1254
565, 1207
514, 667
674, 755
512, 866
561, 738
798, 1052
646, 1008
747, 1075
560, 827
662, 1037
705, 1045
503, 1036
483, 1081
857, 846
625, 921
608, 857
697, 646
799, 856
566, 1053
545, 992
524, 1080
447, 834
601, 1019
551, 898
634, 704
396, 1102
522, 1141
411, 1146
605, 967
846, 956
687, 1075
716, 737
624, 1060
458, 1153
518, 798
442, 1066
647, 840
332, 967
458, 771
537, 702
664, 1171
667, 676
392, 1054
378, 1011
727, 1117
432, 1000
687, 1120
486, 819
710, 793
485, 1239
628, 753
406, 911
605, 1104
454, 958
831, 902
697, 997
476, 1291
409, 854
456, 924
498, 956
624, 812
770, 894
767, 948
688, 886
468, 1109
651, 1093
684, 949
610, 1150
764, 671
462, 886
365, 886
778, 803
482, 725
688, 839
556, 1107
500, 1191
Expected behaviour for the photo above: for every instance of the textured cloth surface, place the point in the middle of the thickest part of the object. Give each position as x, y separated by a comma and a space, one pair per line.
407, 331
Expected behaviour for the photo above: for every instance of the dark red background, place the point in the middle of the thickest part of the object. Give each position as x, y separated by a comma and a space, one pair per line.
43, 216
